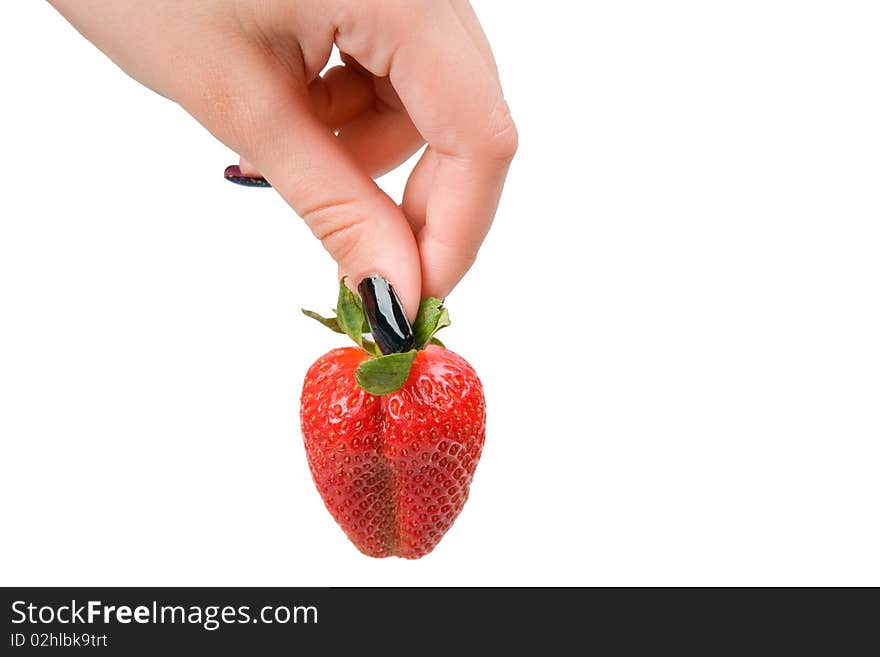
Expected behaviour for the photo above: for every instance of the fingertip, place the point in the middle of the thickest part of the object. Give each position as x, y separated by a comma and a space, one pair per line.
410, 293
406, 284
396, 259
247, 169
389, 325
442, 265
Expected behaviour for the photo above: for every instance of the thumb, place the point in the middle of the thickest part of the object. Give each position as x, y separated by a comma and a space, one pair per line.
361, 227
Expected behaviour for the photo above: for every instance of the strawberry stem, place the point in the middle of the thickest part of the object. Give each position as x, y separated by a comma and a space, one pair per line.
382, 374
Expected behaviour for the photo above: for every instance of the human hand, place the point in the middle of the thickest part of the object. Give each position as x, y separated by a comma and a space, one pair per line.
414, 71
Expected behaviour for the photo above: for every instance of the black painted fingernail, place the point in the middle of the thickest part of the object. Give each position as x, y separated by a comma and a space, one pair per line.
388, 323
233, 174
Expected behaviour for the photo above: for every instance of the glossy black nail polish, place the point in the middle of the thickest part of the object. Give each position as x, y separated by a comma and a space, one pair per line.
388, 323
233, 174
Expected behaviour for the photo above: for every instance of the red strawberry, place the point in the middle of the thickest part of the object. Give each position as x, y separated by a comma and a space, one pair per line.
392, 441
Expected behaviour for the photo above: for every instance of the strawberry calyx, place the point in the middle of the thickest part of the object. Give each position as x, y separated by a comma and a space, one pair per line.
382, 374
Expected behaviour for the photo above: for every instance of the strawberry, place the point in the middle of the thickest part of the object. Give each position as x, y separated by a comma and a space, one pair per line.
392, 440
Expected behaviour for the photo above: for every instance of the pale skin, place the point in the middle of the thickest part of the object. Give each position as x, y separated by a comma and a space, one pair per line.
415, 71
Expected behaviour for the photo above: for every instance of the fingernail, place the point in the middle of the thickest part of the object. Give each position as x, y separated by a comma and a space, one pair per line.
233, 174
388, 323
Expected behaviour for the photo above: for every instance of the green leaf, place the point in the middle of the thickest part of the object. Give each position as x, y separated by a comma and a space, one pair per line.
371, 347
329, 322
426, 320
350, 320
385, 374
431, 318
442, 321
350, 313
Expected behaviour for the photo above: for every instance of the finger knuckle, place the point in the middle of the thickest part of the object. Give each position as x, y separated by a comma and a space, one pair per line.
502, 141
337, 223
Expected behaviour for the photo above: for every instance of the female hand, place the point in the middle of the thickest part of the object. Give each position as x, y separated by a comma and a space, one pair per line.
248, 70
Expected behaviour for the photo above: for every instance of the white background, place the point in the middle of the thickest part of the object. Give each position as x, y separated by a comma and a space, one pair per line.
675, 317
